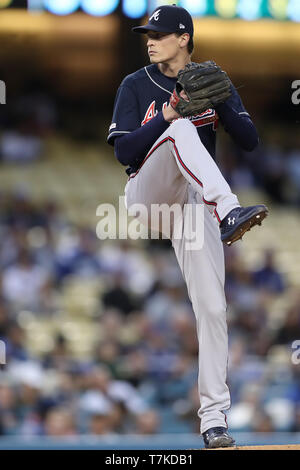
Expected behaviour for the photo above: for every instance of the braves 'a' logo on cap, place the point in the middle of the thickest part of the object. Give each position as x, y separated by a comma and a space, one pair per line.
155, 15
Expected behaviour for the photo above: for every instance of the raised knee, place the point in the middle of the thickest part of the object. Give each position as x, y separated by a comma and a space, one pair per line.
180, 123
182, 126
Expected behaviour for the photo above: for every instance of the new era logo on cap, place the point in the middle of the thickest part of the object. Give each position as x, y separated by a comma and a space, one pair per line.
181, 26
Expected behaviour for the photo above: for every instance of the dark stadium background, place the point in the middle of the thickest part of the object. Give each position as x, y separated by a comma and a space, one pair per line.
99, 334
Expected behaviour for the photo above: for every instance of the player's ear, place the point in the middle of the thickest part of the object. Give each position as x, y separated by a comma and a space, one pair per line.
184, 39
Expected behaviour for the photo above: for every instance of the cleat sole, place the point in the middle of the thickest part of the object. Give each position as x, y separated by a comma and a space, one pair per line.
219, 442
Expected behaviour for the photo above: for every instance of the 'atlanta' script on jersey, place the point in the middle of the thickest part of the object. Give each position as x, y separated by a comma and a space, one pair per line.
209, 116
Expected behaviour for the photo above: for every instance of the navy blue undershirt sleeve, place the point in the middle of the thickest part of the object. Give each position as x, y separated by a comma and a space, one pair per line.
237, 122
240, 127
126, 115
131, 149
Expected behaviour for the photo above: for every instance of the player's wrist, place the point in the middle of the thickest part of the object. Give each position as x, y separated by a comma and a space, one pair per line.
170, 114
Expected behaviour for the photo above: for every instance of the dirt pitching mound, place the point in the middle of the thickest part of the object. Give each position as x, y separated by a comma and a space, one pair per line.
273, 447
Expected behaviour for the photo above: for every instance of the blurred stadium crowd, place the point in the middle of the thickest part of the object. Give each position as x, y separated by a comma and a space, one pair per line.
274, 166
140, 373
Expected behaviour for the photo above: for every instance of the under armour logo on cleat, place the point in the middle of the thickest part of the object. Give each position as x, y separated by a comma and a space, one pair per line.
231, 221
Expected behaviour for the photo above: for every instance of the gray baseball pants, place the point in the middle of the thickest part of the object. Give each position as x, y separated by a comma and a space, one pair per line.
179, 170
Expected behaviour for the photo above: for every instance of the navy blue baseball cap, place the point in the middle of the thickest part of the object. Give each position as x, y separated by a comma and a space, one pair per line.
168, 19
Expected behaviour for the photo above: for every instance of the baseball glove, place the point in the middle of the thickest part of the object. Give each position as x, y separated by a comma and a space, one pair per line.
205, 86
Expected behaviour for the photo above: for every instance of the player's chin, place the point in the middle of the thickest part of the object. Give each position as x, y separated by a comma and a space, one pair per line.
154, 59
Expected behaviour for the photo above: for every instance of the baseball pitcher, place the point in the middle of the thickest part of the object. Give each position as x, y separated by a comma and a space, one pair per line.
164, 131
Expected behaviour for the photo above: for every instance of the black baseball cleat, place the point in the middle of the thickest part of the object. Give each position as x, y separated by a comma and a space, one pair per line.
217, 437
240, 220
